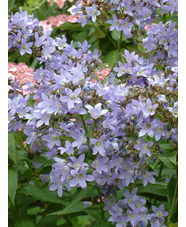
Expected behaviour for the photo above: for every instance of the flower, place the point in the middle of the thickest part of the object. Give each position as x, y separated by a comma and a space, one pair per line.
80, 178
96, 111
92, 12
25, 47
72, 97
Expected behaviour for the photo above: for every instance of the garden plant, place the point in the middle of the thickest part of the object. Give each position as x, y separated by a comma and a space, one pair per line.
93, 113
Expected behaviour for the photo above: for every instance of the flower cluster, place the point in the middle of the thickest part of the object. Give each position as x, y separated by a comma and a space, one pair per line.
101, 132
127, 14
132, 210
162, 43
20, 73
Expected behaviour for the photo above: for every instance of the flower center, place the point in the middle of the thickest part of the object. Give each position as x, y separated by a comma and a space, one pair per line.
73, 97
80, 176
98, 143
54, 137
150, 109
148, 126
132, 215
24, 47
159, 214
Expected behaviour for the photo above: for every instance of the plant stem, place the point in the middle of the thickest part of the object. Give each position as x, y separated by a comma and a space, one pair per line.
111, 69
120, 41
161, 167
36, 7
85, 127
68, 220
101, 208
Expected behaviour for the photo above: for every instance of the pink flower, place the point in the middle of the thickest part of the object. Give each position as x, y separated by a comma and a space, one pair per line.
60, 3
102, 75
147, 27
22, 73
57, 21
45, 25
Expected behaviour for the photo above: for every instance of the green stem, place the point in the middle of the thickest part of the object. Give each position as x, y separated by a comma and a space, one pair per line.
111, 69
16, 211
36, 7
85, 127
161, 168
68, 220
106, 33
101, 208
120, 41
173, 201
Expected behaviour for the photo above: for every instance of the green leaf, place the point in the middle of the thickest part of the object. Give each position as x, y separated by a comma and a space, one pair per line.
157, 189
40, 193
168, 147
102, 223
170, 224
94, 211
11, 4
75, 205
132, 48
43, 160
116, 35
22, 155
80, 36
172, 192
12, 183
112, 57
75, 26
99, 32
34, 63
171, 189
48, 221
169, 162
24, 223
11, 147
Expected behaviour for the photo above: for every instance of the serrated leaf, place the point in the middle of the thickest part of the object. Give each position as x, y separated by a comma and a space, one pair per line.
21, 155
12, 183
132, 48
43, 160
24, 223
116, 35
112, 57
80, 36
99, 33
11, 147
40, 193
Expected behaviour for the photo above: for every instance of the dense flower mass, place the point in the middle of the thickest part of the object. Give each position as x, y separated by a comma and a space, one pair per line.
100, 131
125, 14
